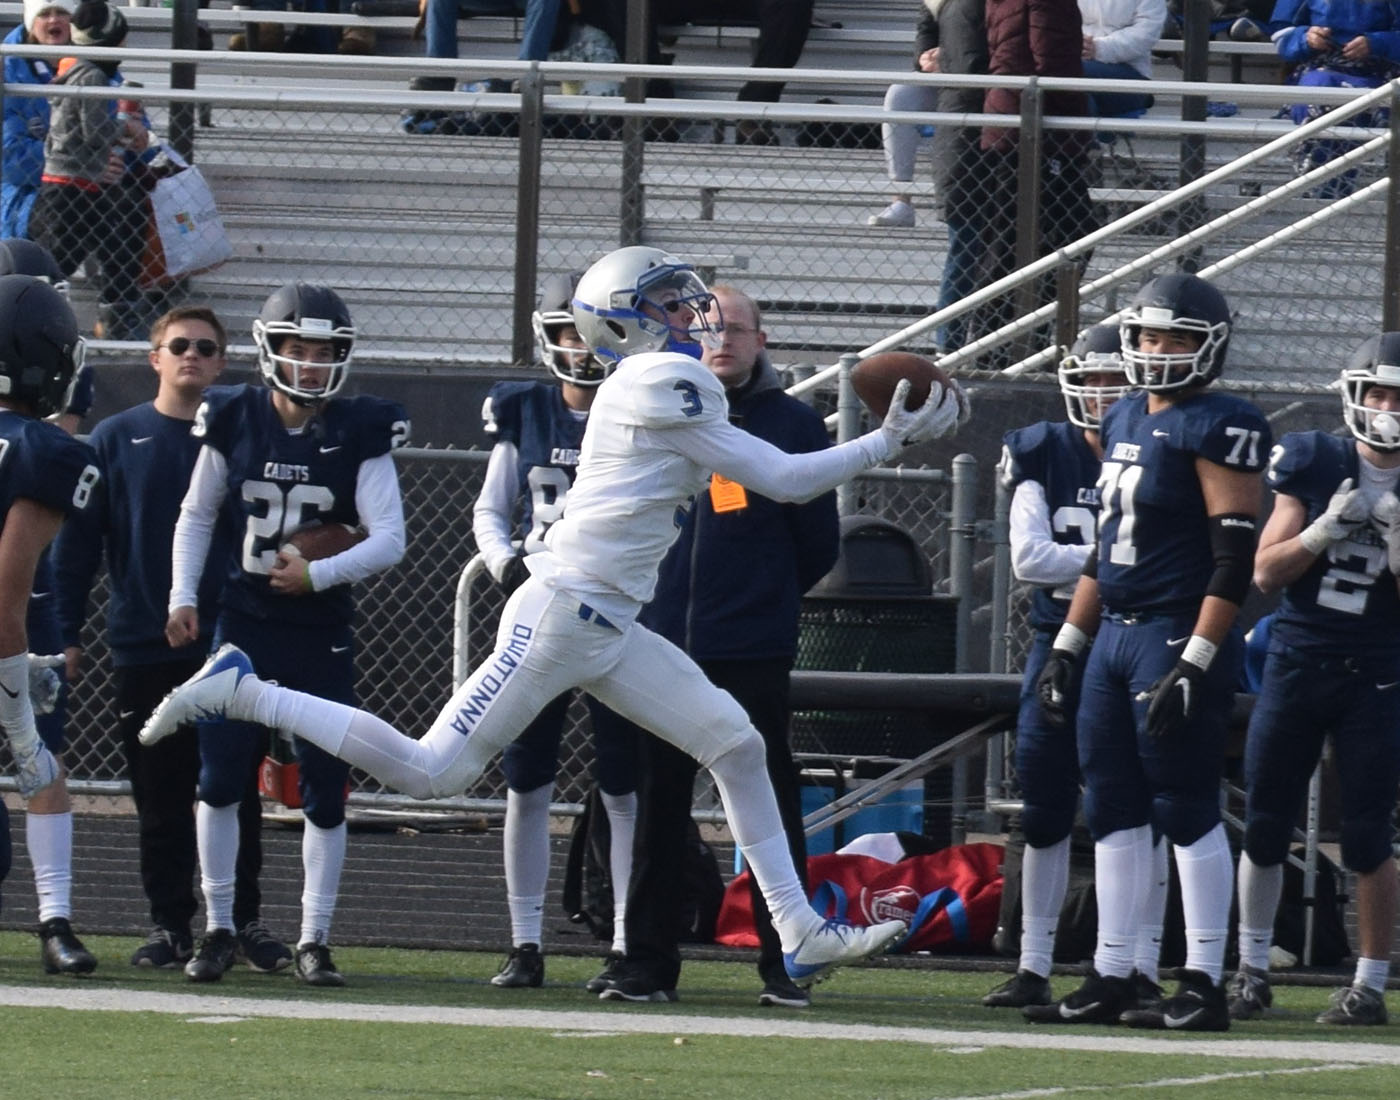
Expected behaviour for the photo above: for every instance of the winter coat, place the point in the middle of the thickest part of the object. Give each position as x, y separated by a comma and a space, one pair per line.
1033, 38
1124, 31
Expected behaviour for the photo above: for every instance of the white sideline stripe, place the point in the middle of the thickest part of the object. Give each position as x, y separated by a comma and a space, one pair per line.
1162, 1083
78, 998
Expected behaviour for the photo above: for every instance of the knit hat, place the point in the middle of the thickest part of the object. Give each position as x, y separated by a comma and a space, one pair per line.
32, 8
97, 23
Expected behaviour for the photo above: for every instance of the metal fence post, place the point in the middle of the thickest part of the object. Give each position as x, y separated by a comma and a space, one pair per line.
1195, 67
184, 35
1390, 294
847, 427
527, 215
962, 538
1030, 155
632, 211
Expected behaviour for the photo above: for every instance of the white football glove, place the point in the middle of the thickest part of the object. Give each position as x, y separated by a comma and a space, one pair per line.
44, 681
936, 417
1385, 517
1346, 511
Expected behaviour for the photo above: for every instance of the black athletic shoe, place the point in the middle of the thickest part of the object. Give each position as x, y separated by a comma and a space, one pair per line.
1197, 1005
1146, 992
164, 950
1023, 988
61, 951
637, 987
261, 950
610, 973
779, 991
1248, 994
524, 966
1100, 1000
217, 951
314, 966
1355, 1006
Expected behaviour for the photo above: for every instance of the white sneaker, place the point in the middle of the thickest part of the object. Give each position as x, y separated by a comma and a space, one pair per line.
36, 770
898, 215
204, 696
835, 943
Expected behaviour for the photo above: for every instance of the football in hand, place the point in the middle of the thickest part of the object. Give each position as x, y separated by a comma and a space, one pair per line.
321, 540
876, 376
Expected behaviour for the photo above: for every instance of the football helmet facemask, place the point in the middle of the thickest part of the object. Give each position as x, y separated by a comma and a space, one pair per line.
1177, 303
308, 311
637, 299
1097, 352
23, 257
571, 364
1375, 363
40, 349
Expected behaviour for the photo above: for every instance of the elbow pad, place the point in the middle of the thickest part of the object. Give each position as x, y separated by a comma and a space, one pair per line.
1232, 546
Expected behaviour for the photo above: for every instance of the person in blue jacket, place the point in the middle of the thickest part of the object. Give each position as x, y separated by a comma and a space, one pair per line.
728, 594
46, 23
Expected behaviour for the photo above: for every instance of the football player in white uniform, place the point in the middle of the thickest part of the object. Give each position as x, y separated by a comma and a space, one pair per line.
657, 429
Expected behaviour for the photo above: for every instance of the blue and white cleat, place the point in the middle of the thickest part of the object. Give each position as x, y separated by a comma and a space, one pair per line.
835, 943
205, 696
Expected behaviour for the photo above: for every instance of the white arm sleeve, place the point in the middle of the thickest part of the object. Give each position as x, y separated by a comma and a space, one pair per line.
380, 505
1036, 558
761, 467
491, 518
194, 530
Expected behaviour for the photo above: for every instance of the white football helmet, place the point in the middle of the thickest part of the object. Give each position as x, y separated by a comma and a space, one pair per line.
571, 364
1375, 363
312, 312
639, 299
1097, 353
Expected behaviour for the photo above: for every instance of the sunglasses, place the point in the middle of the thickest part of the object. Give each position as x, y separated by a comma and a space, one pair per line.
181, 344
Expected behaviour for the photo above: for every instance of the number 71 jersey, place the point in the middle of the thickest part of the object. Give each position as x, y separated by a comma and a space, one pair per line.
1154, 537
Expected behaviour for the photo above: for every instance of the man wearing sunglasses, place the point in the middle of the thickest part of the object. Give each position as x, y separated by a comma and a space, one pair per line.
146, 454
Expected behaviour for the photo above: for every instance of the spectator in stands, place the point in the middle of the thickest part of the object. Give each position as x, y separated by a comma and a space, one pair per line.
1332, 544
538, 429
146, 454
46, 23
1336, 44
84, 206
1118, 40
728, 594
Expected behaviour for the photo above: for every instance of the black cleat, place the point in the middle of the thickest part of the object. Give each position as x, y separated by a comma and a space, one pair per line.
1247, 993
779, 991
217, 951
1025, 987
1100, 1000
609, 974
1146, 992
1355, 1006
261, 950
164, 950
1197, 1005
61, 951
314, 966
524, 967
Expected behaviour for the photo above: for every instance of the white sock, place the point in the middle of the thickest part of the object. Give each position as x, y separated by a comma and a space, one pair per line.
216, 828
49, 839
525, 851
1147, 950
741, 776
1260, 889
1044, 881
1372, 973
1122, 865
1207, 882
622, 823
322, 858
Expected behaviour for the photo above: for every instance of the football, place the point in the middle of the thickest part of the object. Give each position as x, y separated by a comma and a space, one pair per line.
876, 376
321, 540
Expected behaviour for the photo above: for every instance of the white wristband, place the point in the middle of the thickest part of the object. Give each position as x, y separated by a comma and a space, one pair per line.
1071, 639
1199, 652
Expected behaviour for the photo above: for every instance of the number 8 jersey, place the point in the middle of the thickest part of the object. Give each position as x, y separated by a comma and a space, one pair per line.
1154, 540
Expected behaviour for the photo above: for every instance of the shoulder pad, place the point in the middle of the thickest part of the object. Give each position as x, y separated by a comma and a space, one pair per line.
666, 390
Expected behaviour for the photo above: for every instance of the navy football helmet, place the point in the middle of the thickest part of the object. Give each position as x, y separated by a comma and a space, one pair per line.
620, 300
40, 349
1375, 363
309, 311
1097, 353
1177, 303
19, 256
571, 364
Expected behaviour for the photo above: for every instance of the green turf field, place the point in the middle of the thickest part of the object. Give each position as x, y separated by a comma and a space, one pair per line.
428, 1024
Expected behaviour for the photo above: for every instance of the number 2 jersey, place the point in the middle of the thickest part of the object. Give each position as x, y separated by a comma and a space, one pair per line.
1154, 538
278, 481
1346, 601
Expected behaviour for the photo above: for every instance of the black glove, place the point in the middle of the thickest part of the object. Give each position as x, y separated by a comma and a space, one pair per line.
514, 574
1175, 700
1052, 685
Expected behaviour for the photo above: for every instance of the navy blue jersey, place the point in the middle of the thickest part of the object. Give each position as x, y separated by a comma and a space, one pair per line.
1154, 538
280, 480
43, 463
146, 458
547, 436
1056, 455
1347, 600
